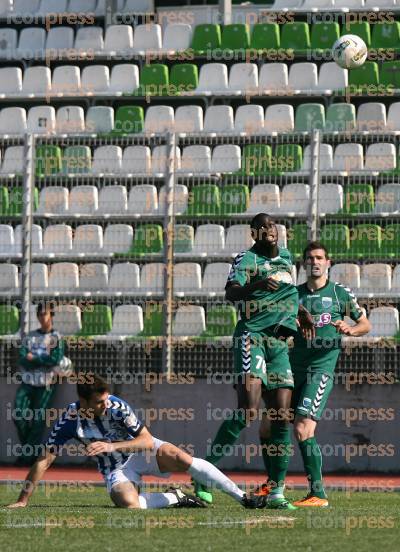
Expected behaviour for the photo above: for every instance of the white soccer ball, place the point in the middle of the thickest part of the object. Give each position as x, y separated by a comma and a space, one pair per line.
349, 51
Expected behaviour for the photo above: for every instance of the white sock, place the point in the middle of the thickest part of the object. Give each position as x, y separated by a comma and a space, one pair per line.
149, 501
209, 475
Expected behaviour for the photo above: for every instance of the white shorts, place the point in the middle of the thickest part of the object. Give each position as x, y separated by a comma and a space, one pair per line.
138, 464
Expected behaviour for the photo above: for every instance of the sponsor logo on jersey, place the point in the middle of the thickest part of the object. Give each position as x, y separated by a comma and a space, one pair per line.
323, 319
326, 302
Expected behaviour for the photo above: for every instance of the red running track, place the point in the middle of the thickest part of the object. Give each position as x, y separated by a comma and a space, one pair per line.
361, 482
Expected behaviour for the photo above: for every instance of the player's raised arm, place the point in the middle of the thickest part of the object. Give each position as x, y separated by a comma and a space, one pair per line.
35, 474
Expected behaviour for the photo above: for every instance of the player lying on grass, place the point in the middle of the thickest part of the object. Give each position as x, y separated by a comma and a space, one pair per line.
260, 285
108, 429
313, 361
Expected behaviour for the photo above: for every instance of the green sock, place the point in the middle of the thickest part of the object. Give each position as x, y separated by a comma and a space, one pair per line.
280, 450
266, 459
227, 434
312, 460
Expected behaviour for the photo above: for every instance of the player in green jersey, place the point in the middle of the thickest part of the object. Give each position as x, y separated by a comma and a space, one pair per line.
313, 361
260, 284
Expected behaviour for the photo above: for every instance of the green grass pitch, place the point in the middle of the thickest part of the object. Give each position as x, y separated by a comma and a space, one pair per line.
83, 518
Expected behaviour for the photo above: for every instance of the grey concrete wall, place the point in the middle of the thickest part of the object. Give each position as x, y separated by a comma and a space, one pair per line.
187, 415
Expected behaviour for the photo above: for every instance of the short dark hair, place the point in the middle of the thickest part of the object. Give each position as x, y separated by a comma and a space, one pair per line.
89, 384
45, 306
255, 221
315, 245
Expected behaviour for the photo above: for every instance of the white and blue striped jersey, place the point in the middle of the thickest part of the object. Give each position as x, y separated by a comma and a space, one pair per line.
118, 423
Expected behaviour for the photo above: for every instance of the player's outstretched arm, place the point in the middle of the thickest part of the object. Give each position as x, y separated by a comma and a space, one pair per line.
35, 474
361, 327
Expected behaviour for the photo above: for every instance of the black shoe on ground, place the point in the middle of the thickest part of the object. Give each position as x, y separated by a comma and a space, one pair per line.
186, 500
254, 501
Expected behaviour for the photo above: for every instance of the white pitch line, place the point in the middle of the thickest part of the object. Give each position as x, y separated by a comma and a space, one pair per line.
245, 521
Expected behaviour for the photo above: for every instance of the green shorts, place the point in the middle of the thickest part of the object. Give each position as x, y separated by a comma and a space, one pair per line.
313, 383
263, 356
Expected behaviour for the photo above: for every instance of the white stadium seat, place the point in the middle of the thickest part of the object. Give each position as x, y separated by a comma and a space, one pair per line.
396, 280
147, 38
57, 239
243, 79
282, 237
376, 278
213, 79
226, 159
303, 76
249, 119
6, 7
82, 6
41, 119
138, 6
99, 119
187, 278
10, 80
93, 277
6, 240
60, 38
152, 278
159, 160
325, 158
384, 322
112, 200
64, 277
95, 79
295, 198
209, 240
190, 320
238, 238
196, 160
36, 239
159, 119
181, 196
393, 117
218, 119
39, 277
70, 119
127, 321
177, 37
117, 238
13, 161
88, 239
8, 42
124, 277
67, 319
66, 80
52, 6
330, 198
36, 81
371, 117
387, 199
83, 200
273, 78
8, 278
348, 157
31, 42
13, 120
347, 274
118, 38
124, 79
332, 77
54, 200
143, 200
279, 118
264, 198
89, 38
380, 157
23, 7
215, 277
317, 5
107, 160
189, 119
136, 160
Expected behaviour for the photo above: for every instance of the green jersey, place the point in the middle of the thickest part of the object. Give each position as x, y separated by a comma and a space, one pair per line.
264, 309
328, 304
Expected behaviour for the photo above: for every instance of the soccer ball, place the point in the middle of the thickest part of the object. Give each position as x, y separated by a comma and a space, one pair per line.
349, 51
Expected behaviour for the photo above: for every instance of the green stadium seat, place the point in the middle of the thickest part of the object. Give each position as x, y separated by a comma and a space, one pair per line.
340, 118
359, 28
154, 81
48, 160
336, 237
148, 238
204, 200
324, 35
153, 320
309, 116
77, 160
9, 320
390, 74
358, 198
183, 78
364, 76
96, 321
256, 159
206, 37
235, 37
265, 36
15, 201
288, 157
235, 199
220, 321
4, 203
390, 244
297, 238
183, 238
129, 119
386, 35
295, 36
366, 241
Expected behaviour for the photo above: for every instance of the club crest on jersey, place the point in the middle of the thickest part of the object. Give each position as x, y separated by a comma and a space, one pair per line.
326, 302
306, 402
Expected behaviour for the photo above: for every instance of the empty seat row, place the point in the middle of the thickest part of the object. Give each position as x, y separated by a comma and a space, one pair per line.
97, 7
189, 320
252, 160
335, 5
205, 200
248, 119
